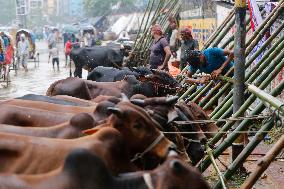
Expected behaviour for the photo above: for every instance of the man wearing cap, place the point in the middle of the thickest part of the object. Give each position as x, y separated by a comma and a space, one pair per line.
160, 52
187, 44
214, 61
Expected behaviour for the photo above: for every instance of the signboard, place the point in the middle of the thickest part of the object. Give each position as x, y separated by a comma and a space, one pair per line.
21, 7
201, 28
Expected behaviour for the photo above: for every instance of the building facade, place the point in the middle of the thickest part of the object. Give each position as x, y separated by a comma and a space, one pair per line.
76, 8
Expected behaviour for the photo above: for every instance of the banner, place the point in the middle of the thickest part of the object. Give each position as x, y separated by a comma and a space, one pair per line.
255, 21
201, 28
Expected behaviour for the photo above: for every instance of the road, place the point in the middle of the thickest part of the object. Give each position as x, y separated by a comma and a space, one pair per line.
37, 79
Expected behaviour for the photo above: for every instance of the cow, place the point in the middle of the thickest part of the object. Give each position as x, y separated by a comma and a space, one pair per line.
138, 130
91, 57
35, 155
29, 117
151, 85
85, 170
67, 130
110, 74
49, 106
63, 100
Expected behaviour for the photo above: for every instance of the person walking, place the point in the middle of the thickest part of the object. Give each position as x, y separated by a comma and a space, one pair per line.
54, 53
160, 52
68, 47
214, 61
23, 51
187, 44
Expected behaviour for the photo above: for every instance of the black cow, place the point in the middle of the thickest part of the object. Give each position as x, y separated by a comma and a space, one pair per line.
110, 74
92, 57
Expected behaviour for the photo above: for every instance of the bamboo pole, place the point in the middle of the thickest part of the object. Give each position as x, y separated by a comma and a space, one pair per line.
263, 164
274, 102
247, 151
210, 154
242, 127
140, 27
265, 22
189, 90
239, 69
219, 29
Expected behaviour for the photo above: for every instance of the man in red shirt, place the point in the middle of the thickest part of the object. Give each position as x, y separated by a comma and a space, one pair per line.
68, 47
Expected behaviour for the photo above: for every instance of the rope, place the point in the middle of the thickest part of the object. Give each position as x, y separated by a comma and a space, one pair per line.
257, 117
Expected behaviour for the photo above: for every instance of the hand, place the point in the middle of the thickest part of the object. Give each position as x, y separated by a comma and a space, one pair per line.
204, 80
163, 68
216, 73
231, 56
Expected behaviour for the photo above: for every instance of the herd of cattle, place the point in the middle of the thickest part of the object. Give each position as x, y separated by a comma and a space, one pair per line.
106, 132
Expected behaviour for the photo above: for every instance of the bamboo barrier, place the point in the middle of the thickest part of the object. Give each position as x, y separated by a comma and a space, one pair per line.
254, 40
247, 151
263, 81
243, 126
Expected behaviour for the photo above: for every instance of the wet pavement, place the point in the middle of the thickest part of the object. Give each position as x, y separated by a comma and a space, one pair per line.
38, 78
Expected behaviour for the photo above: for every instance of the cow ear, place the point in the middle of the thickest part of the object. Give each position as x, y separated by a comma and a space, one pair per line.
172, 115
115, 111
90, 131
138, 102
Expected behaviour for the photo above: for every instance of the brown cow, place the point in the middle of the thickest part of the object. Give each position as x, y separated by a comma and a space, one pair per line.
88, 90
85, 89
135, 125
34, 155
68, 130
23, 116
83, 170
49, 106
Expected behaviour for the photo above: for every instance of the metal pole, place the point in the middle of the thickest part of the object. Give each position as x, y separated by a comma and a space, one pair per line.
239, 71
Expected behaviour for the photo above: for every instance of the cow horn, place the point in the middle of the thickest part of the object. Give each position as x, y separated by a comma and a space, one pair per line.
115, 111
138, 102
149, 76
172, 100
172, 153
124, 97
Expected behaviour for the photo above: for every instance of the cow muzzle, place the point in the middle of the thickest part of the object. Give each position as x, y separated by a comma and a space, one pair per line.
160, 147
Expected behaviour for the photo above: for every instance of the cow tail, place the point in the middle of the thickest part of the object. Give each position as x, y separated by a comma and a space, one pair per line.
50, 90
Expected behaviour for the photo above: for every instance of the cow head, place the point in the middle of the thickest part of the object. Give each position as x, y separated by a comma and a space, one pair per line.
139, 129
160, 82
160, 108
175, 173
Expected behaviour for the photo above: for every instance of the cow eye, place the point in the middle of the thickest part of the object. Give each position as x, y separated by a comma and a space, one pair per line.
137, 126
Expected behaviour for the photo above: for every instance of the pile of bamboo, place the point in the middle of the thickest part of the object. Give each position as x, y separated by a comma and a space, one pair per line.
257, 78
157, 12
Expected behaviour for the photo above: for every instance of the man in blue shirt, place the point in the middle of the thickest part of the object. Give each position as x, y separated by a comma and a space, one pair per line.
214, 61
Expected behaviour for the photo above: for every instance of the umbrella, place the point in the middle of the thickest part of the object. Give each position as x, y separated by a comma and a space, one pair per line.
70, 29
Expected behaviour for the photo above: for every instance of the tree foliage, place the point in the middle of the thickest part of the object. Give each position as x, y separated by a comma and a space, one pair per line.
101, 7
8, 11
